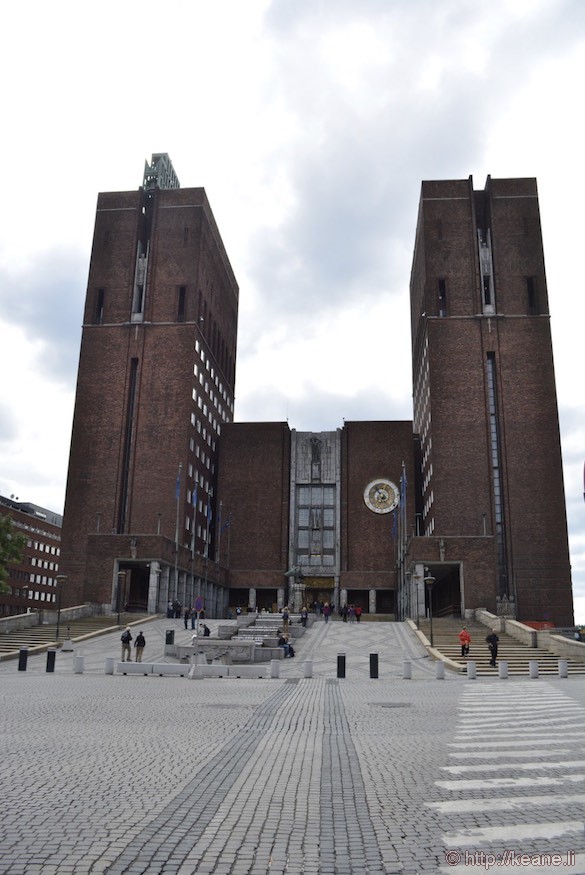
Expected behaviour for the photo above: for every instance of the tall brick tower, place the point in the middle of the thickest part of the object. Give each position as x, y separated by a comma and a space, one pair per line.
155, 384
492, 519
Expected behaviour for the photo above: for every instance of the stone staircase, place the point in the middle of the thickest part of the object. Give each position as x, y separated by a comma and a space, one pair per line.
46, 635
517, 655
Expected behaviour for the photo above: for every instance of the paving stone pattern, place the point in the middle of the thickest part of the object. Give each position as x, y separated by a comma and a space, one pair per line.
105, 775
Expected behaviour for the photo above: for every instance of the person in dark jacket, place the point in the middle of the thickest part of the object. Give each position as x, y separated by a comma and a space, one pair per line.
139, 644
126, 638
492, 642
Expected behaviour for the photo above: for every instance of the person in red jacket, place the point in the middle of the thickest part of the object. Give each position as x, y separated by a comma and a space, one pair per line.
465, 639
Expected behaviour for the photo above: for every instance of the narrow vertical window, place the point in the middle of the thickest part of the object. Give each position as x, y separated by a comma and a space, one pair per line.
99, 309
487, 291
181, 305
497, 474
185, 236
442, 297
531, 295
488, 300
139, 285
123, 501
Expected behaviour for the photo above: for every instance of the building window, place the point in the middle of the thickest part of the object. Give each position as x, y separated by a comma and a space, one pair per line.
531, 295
99, 310
442, 297
181, 304
316, 526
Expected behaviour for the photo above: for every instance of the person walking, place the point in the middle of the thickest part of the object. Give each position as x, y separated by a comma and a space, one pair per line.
186, 617
326, 611
465, 641
285, 618
304, 616
139, 645
126, 638
358, 612
492, 642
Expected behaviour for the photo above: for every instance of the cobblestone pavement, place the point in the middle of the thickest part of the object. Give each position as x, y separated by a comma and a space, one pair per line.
323, 775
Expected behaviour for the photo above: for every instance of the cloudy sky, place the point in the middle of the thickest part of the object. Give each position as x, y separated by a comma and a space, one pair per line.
311, 124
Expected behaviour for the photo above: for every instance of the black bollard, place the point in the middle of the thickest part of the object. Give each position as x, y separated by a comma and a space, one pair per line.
373, 665
51, 653
23, 656
341, 665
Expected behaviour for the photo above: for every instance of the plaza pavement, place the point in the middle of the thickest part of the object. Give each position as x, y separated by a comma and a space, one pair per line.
321, 775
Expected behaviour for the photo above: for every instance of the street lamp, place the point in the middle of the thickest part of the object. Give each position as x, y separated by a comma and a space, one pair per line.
59, 580
429, 581
121, 583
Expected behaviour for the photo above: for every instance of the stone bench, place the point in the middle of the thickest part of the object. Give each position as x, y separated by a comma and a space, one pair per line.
153, 668
213, 648
198, 672
134, 668
265, 654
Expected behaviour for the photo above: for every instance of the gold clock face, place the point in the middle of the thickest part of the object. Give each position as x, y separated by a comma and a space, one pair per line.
381, 495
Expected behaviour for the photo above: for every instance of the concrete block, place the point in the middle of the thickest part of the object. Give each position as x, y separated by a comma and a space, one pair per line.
198, 672
134, 668
174, 669
247, 671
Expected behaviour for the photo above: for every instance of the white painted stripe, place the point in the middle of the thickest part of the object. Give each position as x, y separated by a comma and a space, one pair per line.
480, 730
472, 868
522, 767
484, 754
523, 712
497, 783
504, 803
512, 833
531, 715
565, 738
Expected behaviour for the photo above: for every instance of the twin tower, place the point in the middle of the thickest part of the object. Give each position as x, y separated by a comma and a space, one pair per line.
169, 499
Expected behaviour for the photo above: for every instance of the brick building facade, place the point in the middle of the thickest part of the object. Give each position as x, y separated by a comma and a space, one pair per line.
296, 502
155, 386
32, 583
169, 498
493, 522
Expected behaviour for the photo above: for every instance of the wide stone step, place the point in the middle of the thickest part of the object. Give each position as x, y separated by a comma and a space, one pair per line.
517, 655
46, 635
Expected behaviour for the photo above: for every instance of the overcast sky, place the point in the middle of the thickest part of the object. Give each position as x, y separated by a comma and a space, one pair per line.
310, 123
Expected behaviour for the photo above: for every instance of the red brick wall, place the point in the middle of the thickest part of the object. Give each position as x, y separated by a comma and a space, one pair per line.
371, 450
253, 486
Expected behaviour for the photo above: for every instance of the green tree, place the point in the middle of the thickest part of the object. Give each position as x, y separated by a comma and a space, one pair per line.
12, 544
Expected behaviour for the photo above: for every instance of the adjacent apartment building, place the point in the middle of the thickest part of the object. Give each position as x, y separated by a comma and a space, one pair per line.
32, 583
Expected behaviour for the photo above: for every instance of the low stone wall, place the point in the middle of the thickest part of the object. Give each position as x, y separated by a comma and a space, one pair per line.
212, 648
564, 647
524, 634
38, 618
19, 621
490, 620
74, 613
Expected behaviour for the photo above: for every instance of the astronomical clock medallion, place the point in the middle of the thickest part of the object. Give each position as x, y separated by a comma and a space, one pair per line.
381, 495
